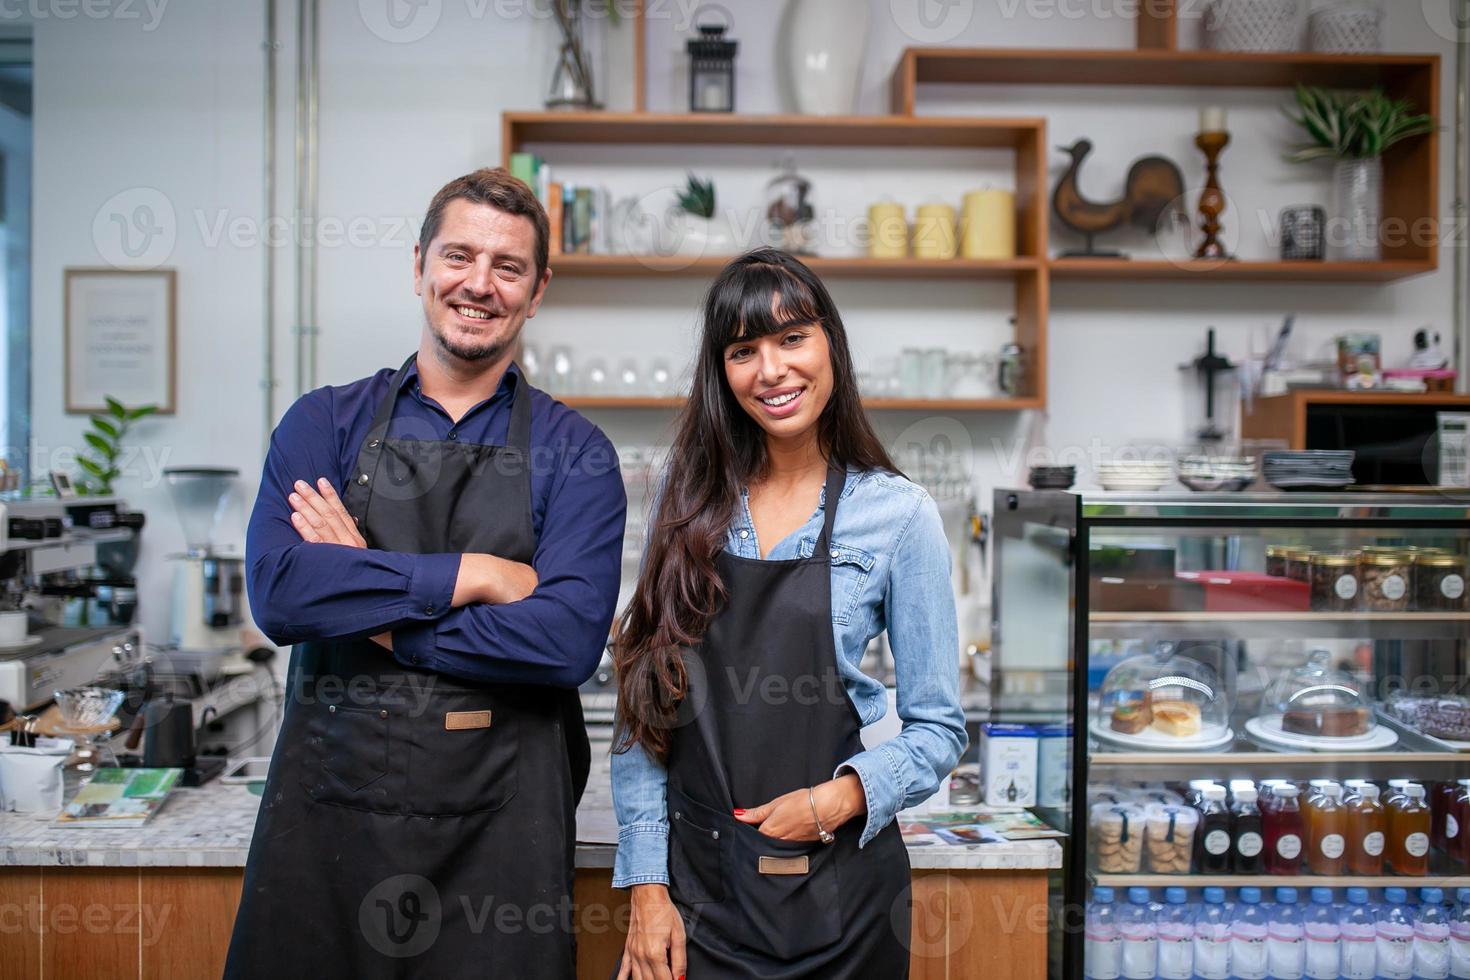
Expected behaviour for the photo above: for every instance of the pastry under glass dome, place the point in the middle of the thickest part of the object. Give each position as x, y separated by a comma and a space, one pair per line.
1317, 701
1160, 697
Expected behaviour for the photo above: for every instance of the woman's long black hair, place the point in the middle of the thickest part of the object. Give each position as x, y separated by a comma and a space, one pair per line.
717, 449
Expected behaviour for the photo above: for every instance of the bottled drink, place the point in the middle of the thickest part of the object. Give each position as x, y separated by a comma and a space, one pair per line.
1212, 838
1247, 852
1441, 799
1352, 789
1284, 829
1460, 936
1431, 936
1212, 937
1324, 944
1359, 936
1327, 832
1175, 927
1408, 833
1140, 939
1460, 809
1286, 953
1248, 937
1395, 790
1395, 935
1367, 826
1197, 791
1314, 790
1102, 951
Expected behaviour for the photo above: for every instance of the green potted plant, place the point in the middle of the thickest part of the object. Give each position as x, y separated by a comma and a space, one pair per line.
695, 222
106, 438
1354, 129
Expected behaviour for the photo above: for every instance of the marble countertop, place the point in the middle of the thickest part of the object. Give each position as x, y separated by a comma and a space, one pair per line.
211, 827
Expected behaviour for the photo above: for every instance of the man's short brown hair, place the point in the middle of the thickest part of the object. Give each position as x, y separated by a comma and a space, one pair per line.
496, 187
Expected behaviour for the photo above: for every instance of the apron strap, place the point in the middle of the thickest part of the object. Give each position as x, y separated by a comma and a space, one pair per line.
836, 480
518, 434
358, 491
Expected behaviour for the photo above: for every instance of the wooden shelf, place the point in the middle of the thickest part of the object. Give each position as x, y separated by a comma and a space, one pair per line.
1238, 271
1282, 881
1158, 67
1301, 625
1276, 617
1255, 760
872, 404
736, 129
706, 266
1284, 417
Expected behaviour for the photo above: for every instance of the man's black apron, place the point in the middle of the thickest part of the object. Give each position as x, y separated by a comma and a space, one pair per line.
412, 824
766, 713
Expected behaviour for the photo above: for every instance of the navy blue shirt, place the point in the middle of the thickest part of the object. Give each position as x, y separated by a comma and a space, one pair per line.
303, 591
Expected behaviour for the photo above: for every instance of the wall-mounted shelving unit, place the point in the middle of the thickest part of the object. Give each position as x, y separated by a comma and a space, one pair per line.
1024, 137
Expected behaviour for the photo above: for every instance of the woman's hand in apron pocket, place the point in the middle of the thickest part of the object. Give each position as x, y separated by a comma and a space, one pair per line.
791, 817
655, 948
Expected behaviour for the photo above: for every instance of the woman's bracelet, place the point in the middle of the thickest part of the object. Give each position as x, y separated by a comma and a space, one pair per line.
822, 832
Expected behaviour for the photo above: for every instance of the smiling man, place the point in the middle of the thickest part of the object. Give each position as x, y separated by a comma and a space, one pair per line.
442, 543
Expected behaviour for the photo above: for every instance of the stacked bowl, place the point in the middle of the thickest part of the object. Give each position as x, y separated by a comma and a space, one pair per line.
1134, 474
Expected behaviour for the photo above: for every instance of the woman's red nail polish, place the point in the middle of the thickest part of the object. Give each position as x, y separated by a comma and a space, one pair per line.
738, 813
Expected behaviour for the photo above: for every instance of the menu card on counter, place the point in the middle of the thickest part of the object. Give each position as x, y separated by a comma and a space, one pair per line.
974, 827
119, 798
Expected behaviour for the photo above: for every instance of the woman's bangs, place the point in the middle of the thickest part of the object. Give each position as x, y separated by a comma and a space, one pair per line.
743, 310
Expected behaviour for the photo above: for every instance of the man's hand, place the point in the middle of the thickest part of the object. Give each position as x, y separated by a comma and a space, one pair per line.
789, 816
320, 517
655, 945
486, 578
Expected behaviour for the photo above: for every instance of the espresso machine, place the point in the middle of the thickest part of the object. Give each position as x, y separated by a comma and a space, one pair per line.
212, 634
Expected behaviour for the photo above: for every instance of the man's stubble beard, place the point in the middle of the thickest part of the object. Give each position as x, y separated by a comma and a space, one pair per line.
491, 351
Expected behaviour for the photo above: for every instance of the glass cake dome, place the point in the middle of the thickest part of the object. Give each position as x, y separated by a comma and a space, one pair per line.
1317, 701
1163, 696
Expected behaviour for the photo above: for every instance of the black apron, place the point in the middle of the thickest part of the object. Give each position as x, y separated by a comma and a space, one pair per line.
766, 713
413, 824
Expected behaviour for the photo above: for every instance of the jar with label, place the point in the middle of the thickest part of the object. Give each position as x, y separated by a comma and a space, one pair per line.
1334, 581
1439, 582
1169, 837
1384, 578
1116, 830
1212, 847
1276, 559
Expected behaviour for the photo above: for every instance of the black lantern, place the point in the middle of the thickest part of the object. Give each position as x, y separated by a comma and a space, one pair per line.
712, 70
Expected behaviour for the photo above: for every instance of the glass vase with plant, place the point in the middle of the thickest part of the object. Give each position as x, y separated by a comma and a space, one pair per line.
1354, 130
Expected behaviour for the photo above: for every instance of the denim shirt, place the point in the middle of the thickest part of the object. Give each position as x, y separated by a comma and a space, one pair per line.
890, 570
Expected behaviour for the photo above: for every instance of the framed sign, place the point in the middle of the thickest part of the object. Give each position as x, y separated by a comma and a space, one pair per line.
120, 338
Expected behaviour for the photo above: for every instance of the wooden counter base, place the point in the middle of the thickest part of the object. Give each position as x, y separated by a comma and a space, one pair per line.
85, 923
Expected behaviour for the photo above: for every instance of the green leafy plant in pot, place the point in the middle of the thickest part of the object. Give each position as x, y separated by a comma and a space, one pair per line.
106, 439
695, 223
1354, 129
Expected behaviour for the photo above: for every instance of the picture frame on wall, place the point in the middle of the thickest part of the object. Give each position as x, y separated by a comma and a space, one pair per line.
121, 338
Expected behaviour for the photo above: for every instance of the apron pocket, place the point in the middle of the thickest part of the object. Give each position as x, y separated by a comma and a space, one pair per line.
786, 911
694, 857
348, 756
459, 764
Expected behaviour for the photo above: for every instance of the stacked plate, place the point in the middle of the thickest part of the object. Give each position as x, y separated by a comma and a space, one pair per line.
1311, 469
1052, 477
1217, 473
1134, 474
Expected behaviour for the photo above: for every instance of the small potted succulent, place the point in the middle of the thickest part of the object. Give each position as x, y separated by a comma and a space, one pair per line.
1354, 129
695, 225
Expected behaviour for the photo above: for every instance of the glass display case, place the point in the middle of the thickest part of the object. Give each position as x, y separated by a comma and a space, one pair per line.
1265, 690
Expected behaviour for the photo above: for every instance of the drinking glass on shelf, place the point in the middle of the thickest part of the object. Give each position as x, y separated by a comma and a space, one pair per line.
530, 362
628, 381
971, 376
911, 373
886, 382
934, 383
661, 378
595, 379
560, 371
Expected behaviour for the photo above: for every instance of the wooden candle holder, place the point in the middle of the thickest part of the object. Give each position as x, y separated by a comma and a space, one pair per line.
1212, 198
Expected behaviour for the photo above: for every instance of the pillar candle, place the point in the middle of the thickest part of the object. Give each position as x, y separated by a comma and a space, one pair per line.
934, 232
888, 231
989, 225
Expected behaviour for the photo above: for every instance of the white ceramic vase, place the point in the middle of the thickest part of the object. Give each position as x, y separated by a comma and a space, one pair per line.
824, 45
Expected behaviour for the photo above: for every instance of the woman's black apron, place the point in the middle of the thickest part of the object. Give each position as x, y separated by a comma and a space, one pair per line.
412, 824
766, 713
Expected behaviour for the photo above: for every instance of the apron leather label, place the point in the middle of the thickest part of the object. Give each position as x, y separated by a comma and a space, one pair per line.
783, 866
459, 721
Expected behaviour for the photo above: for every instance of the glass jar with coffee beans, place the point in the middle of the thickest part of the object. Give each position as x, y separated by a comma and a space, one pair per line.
1386, 579
1439, 582
1334, 581
1297, 564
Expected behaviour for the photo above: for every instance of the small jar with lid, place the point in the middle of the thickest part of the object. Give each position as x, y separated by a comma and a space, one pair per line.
1298, 564
1385, 579
1334, 581
1439, 582
1276, 560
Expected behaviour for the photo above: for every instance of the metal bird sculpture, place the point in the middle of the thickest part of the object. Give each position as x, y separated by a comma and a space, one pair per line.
1155, 186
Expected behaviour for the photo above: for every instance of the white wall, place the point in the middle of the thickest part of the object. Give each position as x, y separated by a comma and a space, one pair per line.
177, 109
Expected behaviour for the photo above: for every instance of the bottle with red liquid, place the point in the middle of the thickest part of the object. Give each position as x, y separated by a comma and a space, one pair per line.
1284, 831
1408, 833
1367, 829
1460, 810
1441, 817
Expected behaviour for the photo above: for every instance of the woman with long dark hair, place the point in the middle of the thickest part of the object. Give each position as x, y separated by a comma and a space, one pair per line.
755, 831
